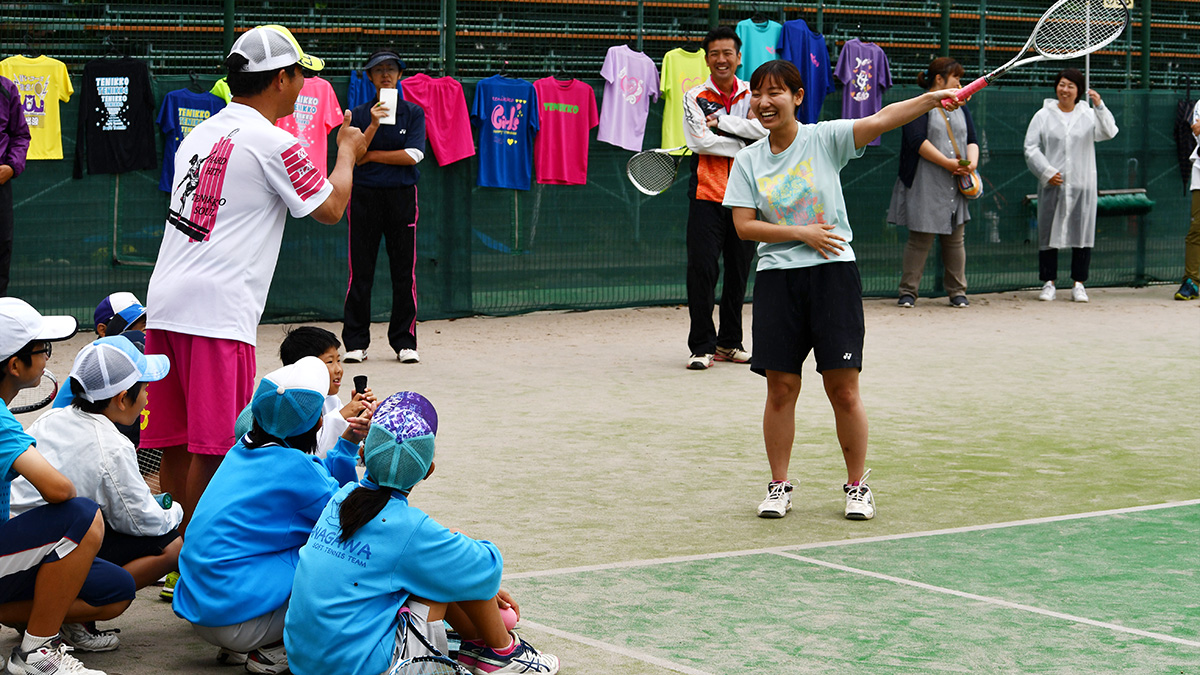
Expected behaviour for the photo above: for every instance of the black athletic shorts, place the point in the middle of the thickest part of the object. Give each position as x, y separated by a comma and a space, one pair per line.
817, 309
121, 549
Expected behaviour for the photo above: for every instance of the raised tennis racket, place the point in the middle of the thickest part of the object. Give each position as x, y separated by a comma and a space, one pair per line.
35, 398
653, 171
1069, 29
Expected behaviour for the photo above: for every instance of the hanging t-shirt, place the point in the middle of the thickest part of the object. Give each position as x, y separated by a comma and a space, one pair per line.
566, 116
447, 122
317, 112
760, 43
506, 111
807, 51
863, 68
42, 83
361, 90
630, 81
681, 71
181, 111
220, 89
116, 118
240, 176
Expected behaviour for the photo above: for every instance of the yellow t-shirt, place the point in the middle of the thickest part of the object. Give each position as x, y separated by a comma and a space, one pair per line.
221, 90
42, 82
681, 70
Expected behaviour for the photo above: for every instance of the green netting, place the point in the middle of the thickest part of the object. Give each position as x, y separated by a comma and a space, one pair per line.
581, 247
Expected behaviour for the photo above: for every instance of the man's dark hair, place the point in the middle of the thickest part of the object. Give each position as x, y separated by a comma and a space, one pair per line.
97, 407
250, 84
306, 341
721, 33
25, 354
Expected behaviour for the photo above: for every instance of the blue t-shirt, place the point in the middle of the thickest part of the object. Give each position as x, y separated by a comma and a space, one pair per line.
361, 90
13, 442
796, 186
245, 535
342, 615
506, 112
760, 43
407, 132
181, 111
807, 51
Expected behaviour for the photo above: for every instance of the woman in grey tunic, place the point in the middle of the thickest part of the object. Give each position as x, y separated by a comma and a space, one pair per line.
925, 198
1060, 149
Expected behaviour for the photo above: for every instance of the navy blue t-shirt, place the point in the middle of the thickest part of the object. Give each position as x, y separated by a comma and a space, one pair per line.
506, 112
407, 132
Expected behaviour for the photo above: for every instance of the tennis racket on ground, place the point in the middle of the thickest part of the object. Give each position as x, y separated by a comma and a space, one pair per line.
1069, 29
653, 171
35, 398
428, 665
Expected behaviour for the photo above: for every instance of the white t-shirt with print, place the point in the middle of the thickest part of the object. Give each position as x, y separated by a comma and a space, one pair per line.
236, 176
796, 186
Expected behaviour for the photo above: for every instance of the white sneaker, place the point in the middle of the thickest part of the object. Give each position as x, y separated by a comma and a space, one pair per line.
1078, 294
230, 657
270, 659
524, 658
408, 356
355, 356
1047, 293
860, 503
778, 501
86, 638
700, 362
52, 658
732, 354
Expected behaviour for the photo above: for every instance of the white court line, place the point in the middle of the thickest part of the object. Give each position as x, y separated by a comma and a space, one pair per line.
842, 542
991, 601
616, 649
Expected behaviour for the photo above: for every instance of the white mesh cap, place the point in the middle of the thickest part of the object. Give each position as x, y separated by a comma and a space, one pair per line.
288, 401
111, 365
270, 48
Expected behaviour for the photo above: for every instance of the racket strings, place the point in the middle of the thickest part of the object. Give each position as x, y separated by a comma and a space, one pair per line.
1076, 27
652, 171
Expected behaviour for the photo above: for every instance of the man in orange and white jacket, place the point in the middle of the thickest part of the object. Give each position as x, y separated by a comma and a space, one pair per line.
716, 124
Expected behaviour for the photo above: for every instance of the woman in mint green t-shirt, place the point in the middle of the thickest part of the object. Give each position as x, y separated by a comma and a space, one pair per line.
786, 193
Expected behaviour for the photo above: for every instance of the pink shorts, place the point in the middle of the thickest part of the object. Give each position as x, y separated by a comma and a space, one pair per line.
197, 403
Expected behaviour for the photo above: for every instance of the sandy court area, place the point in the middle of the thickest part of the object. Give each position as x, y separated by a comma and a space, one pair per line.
576, 438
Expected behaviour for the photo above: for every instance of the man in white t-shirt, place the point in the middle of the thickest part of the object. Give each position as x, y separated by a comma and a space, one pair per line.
236, 177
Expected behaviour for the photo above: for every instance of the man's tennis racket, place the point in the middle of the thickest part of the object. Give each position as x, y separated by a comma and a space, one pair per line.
35, 398
653, 171
1069, 29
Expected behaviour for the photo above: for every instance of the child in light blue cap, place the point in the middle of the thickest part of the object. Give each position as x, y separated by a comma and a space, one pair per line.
373, 559
244, 539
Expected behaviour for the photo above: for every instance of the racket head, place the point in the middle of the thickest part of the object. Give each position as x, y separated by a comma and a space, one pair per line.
1073, 28
652, 171
36, 397
428, 665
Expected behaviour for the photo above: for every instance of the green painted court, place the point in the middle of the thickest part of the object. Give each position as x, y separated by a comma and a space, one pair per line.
1109, 592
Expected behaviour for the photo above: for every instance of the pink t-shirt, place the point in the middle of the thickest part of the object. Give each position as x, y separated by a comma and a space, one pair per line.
317, 113
447, 122
630, 81
568, 113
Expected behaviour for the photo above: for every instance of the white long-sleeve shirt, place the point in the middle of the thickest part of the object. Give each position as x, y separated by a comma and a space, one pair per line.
102, 463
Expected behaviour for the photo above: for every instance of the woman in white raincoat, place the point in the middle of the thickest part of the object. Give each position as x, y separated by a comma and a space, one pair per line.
1060, 149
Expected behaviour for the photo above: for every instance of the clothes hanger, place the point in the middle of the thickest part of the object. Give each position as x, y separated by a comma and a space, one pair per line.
758, 16
31, 49
562, 73
195, 85
504, 70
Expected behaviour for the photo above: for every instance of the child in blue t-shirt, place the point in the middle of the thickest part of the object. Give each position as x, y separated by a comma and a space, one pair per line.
373, 556
49, 573
243, 541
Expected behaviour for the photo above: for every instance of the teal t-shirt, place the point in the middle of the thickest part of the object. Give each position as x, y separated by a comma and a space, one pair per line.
760, 43
794, 187
13, 443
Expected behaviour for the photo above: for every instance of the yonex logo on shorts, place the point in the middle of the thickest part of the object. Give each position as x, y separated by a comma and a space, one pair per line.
847, 356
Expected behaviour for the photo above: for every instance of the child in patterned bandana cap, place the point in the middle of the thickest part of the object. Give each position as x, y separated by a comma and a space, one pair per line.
373, 558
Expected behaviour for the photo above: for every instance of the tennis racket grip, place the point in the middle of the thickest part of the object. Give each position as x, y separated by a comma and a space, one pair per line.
967, 91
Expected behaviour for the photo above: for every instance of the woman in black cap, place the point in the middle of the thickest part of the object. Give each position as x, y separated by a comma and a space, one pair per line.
384, 204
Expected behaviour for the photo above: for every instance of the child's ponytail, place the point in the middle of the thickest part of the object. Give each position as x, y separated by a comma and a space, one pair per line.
360, 506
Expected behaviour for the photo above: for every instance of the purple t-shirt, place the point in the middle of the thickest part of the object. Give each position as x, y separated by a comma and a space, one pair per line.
863, 68
630, 80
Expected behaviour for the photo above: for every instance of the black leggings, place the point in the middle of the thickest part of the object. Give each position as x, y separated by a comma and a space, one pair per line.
1081, 260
